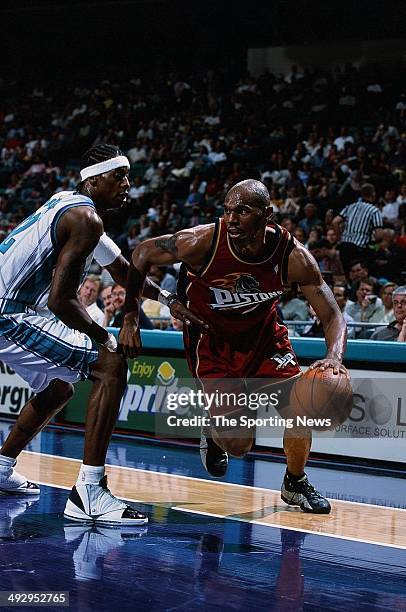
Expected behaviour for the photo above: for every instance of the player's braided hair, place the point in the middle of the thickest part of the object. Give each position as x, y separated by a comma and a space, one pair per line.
94, 155
99, 153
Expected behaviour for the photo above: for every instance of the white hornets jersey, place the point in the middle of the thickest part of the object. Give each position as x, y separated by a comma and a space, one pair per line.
29, 253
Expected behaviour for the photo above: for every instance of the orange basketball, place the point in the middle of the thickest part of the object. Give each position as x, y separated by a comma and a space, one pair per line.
321, 394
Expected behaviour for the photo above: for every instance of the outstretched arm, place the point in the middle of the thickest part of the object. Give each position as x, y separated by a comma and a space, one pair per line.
185, 246
304, 270
119, 271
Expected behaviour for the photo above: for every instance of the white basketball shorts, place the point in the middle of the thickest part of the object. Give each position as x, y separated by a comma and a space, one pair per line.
41, 349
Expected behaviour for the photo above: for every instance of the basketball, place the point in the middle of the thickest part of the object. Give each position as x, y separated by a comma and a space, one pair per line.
321, 394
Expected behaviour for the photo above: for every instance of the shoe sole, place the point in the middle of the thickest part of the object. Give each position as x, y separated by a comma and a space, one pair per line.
20, 491
304, 509
91, 521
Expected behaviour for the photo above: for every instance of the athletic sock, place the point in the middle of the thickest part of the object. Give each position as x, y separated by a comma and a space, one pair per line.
7, 462
90, 474
9, 478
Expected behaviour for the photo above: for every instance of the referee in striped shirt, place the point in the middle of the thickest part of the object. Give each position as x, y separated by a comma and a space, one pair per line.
356, 223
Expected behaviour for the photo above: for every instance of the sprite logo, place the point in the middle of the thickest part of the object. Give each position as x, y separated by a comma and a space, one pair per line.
166, 373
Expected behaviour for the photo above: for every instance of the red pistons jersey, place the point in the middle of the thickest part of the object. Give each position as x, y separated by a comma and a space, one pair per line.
238, 298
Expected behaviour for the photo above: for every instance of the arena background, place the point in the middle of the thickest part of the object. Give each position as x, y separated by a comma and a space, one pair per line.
210, 545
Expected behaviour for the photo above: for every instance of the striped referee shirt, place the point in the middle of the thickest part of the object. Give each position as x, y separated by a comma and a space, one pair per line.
361, 218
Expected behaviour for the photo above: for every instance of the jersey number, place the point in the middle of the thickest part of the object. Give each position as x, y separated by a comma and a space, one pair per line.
10, 240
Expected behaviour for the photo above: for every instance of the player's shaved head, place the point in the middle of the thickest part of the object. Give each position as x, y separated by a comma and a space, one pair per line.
252, 192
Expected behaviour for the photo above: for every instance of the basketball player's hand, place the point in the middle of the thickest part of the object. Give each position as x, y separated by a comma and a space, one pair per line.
329, 362
179, 311
129, 339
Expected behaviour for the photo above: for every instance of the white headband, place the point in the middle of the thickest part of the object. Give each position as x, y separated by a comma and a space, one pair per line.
105, 166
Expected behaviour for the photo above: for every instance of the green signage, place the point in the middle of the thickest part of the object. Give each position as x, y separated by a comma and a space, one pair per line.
144, 404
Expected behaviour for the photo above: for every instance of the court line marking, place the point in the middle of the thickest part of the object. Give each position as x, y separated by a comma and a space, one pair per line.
224, 517
278, 526
217, 482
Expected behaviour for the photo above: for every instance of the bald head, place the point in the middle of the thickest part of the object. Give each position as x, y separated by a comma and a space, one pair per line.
251, 192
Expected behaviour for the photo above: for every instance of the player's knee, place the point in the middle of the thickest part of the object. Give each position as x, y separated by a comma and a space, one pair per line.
53, 398
238, 448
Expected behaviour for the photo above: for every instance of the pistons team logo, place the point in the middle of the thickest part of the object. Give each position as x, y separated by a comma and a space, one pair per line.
239, 291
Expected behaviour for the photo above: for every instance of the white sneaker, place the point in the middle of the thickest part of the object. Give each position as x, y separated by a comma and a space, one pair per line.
13, 483
95, 503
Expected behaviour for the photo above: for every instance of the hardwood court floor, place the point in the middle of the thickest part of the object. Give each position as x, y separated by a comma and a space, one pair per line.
361, 522
209, 545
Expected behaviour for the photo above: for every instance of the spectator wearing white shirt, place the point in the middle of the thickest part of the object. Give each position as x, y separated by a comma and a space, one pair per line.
390, 210
88, 292
137, 190
342, 139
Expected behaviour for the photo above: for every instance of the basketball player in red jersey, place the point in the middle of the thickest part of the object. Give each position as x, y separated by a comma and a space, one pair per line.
233, 274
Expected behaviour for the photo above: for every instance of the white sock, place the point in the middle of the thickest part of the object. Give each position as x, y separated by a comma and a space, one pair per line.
9, 478
7, 462
90, 474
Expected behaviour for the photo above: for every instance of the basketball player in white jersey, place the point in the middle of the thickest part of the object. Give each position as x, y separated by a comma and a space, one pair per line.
48, 338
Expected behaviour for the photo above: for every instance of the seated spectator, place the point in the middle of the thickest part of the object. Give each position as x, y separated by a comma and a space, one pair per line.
294, 309
359, 270
397, 329
163, 278
291, 205
300, 235
327, 257
341, 296
88, 292
137, 190
390, 208
105, 299
114, 310
386, 297
389, 259
331, 236
311, 219
368, 307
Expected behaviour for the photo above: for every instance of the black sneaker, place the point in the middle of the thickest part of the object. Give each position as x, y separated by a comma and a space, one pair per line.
214, 458
301, 493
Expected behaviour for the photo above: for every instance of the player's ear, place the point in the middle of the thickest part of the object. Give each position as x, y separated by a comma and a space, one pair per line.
268, 213
93, 181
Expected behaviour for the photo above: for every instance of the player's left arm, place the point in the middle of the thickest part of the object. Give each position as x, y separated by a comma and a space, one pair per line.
303, 269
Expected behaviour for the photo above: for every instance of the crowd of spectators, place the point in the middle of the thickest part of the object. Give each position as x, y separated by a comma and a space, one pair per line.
314, 138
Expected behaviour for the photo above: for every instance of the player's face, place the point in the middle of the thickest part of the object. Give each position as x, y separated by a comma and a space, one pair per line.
243, 220
399, 307
112, 188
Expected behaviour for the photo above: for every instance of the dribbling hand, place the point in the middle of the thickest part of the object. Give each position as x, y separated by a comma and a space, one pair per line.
326, 363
